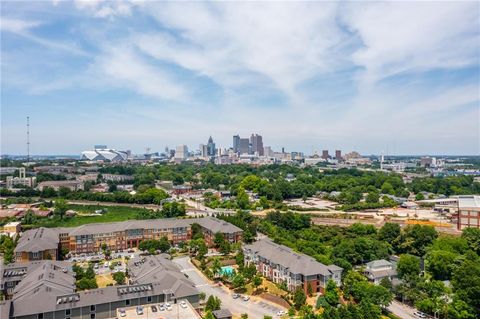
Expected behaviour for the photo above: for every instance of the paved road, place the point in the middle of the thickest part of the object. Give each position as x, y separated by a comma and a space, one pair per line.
402, 310
255, 308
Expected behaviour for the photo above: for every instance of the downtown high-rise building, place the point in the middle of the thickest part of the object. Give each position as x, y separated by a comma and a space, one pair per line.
325, 155
257, 144
244, 146
211, 150
236, 143
338, 155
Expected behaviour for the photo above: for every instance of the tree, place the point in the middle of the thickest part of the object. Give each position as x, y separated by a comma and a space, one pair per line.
408, 265
213, 303
119, 277
299, 298
415, 239
216, 267
419, 196
240, 259
163, 244
389, 232
331, 293
387, 188
373, 197
197, 232
218, 239
209, 315
60, 208
86, 283
472, 236
242, 199
238, 281
466, 283
441, 264
244, 316
387, 283
256, 282
8, 247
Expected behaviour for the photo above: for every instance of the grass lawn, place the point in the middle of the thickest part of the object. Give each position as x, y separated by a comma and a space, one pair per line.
104, 280
112, 214
271, 288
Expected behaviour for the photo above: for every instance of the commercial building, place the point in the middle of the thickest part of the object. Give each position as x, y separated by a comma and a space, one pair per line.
236, 143
211, 150
117, 178
338, 155
45, 243
73, 185
104, 154
49, 291
12, 228
281, 264
244, 146
257, 144
325, 155
22, 179
468, 211
181, 152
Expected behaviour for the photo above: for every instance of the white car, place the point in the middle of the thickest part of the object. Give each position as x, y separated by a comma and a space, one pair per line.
420, 314
169, 308
281, 313
183, 304
246, 298
161, 307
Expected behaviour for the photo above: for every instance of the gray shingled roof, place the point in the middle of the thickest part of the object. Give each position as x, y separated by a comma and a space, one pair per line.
222, 313
296, 263
380, 263
38, 239
49, 289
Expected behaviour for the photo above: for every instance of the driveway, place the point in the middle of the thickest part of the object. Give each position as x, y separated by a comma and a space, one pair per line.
255, 307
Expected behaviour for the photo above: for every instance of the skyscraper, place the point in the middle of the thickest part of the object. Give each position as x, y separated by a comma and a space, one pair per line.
211, 147
338, 155
257, 144
244, 146
203, 150
236, 143
325, 155
181, 152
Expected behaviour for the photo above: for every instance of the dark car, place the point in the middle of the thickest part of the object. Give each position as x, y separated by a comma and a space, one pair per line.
154, 308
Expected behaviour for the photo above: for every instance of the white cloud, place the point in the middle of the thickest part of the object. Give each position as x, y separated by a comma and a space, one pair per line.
122, 67
414, 36
106, 8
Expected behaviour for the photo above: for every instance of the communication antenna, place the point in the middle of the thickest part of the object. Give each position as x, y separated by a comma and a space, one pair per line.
28, 140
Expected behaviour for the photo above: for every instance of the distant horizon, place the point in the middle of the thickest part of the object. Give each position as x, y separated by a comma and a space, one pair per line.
375, 77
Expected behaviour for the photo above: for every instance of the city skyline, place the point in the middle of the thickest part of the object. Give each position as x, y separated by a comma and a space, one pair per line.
133, 75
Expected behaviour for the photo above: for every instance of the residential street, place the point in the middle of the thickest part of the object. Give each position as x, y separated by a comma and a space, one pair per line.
256, 308
401, 310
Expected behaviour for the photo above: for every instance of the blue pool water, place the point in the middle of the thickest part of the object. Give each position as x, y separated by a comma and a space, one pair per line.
226, 270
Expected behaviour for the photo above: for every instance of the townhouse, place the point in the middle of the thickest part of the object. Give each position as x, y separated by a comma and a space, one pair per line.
281, 264
46, 243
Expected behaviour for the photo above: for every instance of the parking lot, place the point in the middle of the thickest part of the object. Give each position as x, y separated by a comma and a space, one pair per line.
255, 307
175, 312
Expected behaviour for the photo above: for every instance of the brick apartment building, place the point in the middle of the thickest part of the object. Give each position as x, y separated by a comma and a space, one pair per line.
281, 264
45, 243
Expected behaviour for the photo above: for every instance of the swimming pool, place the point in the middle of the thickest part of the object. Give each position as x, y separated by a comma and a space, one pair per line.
227, 270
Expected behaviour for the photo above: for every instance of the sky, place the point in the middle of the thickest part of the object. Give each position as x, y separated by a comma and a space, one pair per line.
374, 77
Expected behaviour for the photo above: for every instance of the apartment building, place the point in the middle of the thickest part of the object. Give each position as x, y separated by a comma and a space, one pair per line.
49, 292
37, 244
281, 264
43, 242
73, 185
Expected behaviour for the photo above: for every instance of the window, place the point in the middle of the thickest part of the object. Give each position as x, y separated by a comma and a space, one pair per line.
149, 299
68, 312
92, 308
40, 316
127, 302
92, 316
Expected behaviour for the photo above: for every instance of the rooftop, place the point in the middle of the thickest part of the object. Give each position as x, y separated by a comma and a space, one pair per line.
296, 263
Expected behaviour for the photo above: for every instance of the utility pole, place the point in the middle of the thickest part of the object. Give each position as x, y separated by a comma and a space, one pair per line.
28, 140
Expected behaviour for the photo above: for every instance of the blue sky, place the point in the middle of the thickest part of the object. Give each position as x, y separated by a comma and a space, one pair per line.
396, 77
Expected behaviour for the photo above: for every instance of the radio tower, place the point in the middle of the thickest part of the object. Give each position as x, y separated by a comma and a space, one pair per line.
28, 140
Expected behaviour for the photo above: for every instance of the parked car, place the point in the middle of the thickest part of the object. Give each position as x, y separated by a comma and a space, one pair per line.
183, 304
235, 296
420, 314
161, 307
154, 309
281, 313
246, 298
139, 310
122, 312
169, 308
